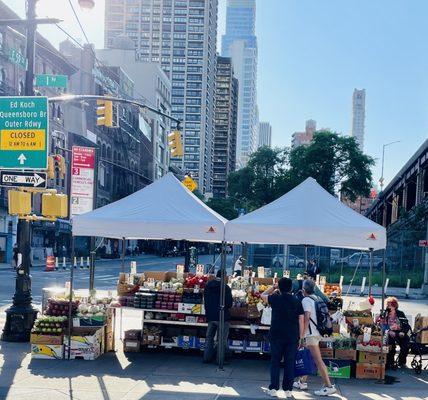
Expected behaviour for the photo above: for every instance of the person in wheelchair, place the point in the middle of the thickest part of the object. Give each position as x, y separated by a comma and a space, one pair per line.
398, 329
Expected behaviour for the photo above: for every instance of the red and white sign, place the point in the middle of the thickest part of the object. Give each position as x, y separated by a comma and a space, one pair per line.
423, 243
82, 179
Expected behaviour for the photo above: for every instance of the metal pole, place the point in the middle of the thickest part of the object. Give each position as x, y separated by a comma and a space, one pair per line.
383, 159
123, 254
383, 280
425, 284
306, 257
370, 271
220, 333
70, 300
30, 45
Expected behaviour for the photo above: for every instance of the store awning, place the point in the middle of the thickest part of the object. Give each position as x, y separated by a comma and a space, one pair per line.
310, 215
163, 210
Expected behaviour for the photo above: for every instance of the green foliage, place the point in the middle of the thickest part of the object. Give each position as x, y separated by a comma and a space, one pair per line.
225, 207
336, 162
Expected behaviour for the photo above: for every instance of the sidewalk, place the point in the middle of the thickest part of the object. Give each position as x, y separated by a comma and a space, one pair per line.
165, 375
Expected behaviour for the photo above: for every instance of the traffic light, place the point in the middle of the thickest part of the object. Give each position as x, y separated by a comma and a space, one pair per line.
105, 113
54, 205
19, 202
51, 169
175, 144
59, 165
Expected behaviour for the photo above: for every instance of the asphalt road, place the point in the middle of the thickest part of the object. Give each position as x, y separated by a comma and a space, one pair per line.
106, 274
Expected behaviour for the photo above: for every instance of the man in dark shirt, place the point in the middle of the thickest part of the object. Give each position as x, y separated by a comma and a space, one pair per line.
212, 314
285, 331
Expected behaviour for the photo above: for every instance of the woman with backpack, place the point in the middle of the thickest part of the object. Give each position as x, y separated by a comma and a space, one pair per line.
314, 309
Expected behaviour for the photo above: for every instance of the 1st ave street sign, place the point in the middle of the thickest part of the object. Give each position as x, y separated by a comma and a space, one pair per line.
24, 132
51, 80
23, 179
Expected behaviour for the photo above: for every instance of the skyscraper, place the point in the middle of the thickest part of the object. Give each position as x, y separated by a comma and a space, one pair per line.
304, 138
240, 43
358, 116
226, 113
265, 134
180, 35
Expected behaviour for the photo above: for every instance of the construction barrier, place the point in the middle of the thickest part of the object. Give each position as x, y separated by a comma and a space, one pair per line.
50, 263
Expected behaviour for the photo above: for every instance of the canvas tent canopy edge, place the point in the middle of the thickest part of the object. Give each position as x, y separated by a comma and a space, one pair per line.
164, 209
308, 215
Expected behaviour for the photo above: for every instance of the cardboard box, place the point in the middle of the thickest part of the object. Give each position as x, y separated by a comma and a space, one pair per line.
339, 368
46, 339
420, 322
359, 321
253, 346
85, 337
133, 334
366, 347
187, 342
188, 308
151, 340
422, 337
47, 352
326, 353
238, 345
326, 343
370, 371
84, 353
336, 328
200, 343
340, 354
92, 321
372, 358
169, 342
191, 319
131, 346
110, 343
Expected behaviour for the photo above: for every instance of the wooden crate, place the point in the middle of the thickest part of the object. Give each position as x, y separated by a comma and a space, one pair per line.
370, 371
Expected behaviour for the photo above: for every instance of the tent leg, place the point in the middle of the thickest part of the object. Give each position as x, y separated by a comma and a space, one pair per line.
383, 280
220, 334
70, 301
370, 271
306, 257
123, 254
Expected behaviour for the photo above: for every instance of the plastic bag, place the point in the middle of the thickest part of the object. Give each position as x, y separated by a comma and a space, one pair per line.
305, 364
266, 316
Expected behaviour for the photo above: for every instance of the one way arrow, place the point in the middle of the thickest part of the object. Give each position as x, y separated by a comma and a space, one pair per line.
22, 159
38, 180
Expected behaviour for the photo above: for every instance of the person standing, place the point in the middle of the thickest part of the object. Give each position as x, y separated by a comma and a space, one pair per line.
239, 265
313, 269
15, 255
212, 314
312, 340
286, 328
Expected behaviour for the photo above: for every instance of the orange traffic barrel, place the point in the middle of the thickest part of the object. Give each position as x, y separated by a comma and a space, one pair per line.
50, 263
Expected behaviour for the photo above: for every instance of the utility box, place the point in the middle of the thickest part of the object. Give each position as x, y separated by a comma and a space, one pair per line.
19, 202
54, 205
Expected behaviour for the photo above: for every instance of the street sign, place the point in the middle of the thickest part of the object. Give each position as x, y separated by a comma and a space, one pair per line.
190, 183
17, 58
423, 243
82, 179
23, 179
51, 80
24, 132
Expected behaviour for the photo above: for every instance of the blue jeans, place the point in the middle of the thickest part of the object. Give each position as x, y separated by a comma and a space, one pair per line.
210, 348
280, 349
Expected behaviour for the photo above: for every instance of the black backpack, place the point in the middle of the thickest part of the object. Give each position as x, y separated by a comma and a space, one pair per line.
324, 323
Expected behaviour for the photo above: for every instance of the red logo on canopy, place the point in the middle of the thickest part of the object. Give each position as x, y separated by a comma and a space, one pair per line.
372, 237
211, 230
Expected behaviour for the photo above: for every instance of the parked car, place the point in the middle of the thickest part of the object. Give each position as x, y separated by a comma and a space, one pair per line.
360, 259
293, 261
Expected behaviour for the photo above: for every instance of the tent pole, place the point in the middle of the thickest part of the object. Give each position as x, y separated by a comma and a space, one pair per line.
370, 271
306, 257
70, 300
220, 332
123, 254
383, 280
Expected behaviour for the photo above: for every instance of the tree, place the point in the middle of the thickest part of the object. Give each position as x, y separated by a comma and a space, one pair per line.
336, 162
225, 207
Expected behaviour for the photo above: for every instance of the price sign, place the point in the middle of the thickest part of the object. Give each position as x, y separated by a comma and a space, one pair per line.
151, 281
246, 273
133, 267
323, 280
341, 282
180, 271
317, 280
200, 270
286, 273
261, 272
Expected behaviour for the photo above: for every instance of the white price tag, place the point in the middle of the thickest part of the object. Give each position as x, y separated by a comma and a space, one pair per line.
133, 267
200, 270
261, 272
196, 289
246, 273
151, 280
180, 271
317, 280
286, 273
323, 280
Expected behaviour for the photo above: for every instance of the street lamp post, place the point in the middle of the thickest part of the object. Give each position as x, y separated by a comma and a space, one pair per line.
383, 161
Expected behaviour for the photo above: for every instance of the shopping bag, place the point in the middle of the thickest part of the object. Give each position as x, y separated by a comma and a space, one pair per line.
304, 364
266, 316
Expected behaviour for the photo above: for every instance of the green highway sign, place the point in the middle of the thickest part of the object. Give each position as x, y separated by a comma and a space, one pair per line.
24, 132
17, 58
52, 80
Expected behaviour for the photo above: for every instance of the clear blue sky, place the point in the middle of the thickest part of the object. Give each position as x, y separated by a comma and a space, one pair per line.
312, 54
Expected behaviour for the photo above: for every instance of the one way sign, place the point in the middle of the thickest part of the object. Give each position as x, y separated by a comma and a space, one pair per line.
23, 179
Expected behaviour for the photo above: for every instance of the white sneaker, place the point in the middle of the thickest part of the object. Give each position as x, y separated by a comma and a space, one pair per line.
288, 394
300, 385
271, 392
326, 391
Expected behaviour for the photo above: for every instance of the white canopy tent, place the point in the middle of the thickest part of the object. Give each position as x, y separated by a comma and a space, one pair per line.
308, 215
163, 210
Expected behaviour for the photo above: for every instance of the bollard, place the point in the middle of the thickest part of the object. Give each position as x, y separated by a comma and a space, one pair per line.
341, 282
407, 288
56, 263
75, 262
64, 264
88, 261
386, 285
81, 262
363, 284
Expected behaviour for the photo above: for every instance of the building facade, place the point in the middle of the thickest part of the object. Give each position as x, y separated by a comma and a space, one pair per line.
358, 116
265, 134
304, 138
151, 87
226, 113
181, 37
240, 43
